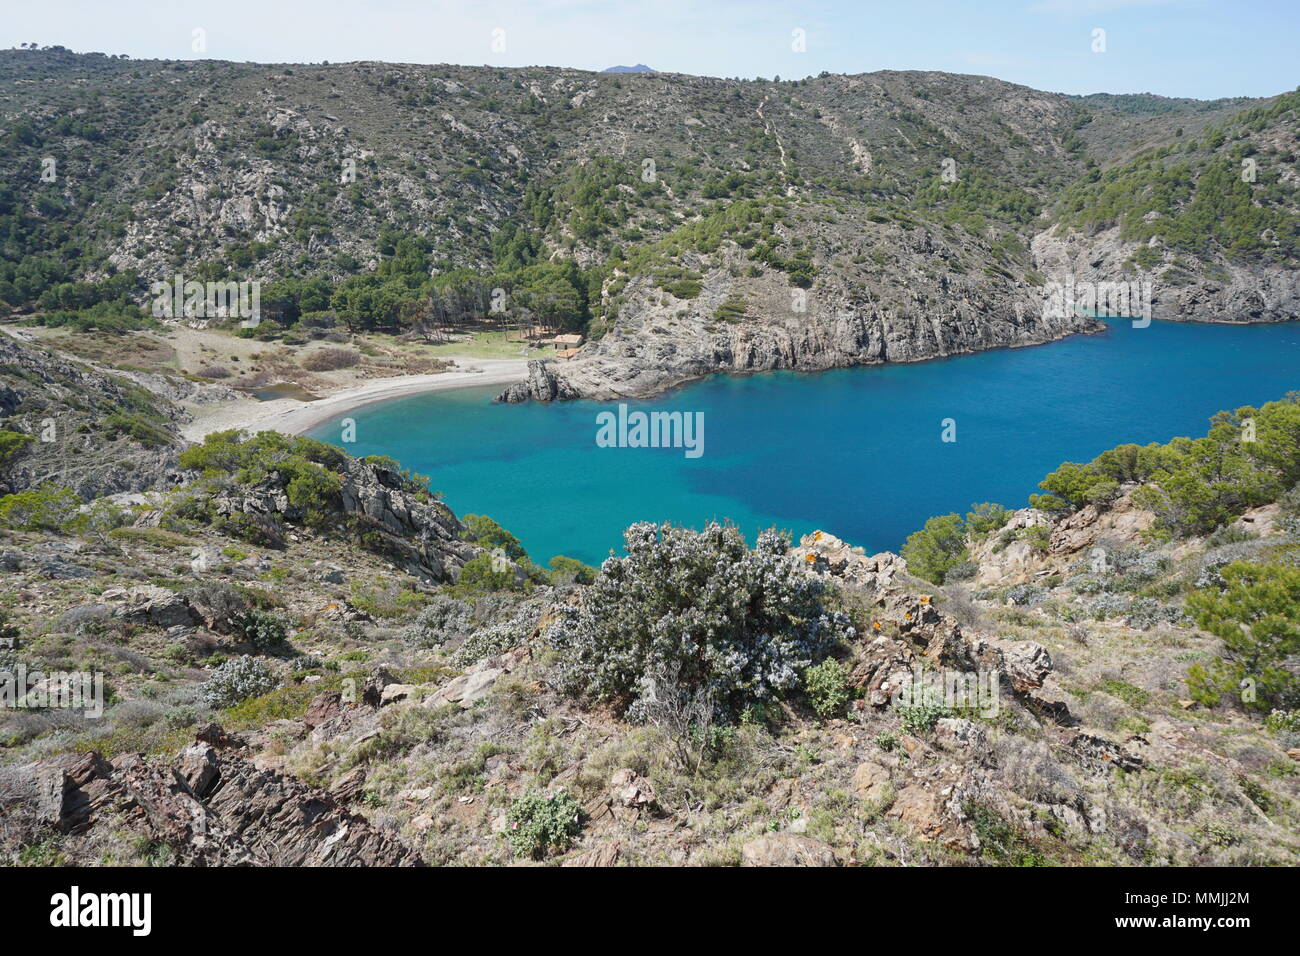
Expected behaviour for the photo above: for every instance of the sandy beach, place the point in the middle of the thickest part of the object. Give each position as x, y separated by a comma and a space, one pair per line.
294, 417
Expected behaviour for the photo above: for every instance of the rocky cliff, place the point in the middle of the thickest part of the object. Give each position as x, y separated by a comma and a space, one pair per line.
919, 214
894, 295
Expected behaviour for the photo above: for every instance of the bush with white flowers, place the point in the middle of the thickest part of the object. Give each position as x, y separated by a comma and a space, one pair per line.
738, 625
238, 679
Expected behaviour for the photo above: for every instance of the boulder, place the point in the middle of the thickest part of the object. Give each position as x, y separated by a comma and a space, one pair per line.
786, 849
871, 781
323, 707
395, 692
631, 790
150, 604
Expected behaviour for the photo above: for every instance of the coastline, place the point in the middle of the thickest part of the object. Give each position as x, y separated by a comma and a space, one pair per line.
293, 417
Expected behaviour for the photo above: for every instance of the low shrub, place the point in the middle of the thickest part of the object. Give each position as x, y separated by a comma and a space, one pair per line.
329, 360
263, 630
827, 687
43, 508
444, 619
237, 680
538, 825
740, 626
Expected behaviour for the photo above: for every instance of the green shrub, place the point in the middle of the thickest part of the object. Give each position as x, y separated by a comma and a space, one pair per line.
937, 548
827, 687
983, 519
485, 532
133, 426
1257, 616
11, 443
920, 706
1194, 485
734, 625
237, 680
538, 826
481, 574
44, 508
262, 629
565, 569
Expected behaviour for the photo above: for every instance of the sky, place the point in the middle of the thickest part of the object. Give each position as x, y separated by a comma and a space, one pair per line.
1197, 48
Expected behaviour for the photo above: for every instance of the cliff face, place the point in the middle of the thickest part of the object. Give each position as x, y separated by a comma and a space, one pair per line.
918, 214
1221, 290
883, 293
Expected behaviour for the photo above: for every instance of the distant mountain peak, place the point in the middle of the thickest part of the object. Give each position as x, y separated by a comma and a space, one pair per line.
639, 68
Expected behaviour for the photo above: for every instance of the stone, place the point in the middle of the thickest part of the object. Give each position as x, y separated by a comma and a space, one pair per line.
148, 603
955, 733
871, 781
204, 560
395, 692
607, 854
322, 708
921, 810
631, 790
786, 849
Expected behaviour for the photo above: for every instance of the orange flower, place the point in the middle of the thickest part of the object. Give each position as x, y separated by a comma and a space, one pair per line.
907, 616
875, 625
925, 599
810, 557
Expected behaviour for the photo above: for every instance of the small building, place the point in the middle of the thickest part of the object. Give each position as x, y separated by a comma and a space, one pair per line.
570, 341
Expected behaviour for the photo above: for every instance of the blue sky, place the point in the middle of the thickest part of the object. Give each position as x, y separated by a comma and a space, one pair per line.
1201, 48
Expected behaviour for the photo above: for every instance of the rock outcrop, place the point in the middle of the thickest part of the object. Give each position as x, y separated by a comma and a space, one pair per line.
865, 316
910, 634
1221, 291
211, 806
421, 534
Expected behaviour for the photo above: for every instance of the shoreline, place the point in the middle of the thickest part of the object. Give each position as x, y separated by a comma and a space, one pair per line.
293, 417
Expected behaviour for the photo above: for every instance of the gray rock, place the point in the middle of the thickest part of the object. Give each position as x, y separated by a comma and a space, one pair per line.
786, 849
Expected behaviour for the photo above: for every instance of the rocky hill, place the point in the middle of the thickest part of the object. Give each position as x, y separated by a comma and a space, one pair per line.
308, 659
713, 224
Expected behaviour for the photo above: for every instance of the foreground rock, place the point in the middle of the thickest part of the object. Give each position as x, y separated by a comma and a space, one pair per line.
421, 534
210, 806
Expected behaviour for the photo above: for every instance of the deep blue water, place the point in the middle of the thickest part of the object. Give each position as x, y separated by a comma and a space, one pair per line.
857, 452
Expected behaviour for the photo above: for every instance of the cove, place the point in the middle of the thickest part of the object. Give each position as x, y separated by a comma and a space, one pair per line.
857, 452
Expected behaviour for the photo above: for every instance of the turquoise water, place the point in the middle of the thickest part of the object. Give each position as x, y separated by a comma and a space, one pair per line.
857, 452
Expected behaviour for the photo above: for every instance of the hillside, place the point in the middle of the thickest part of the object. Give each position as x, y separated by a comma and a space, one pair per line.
812, 223
308, 658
